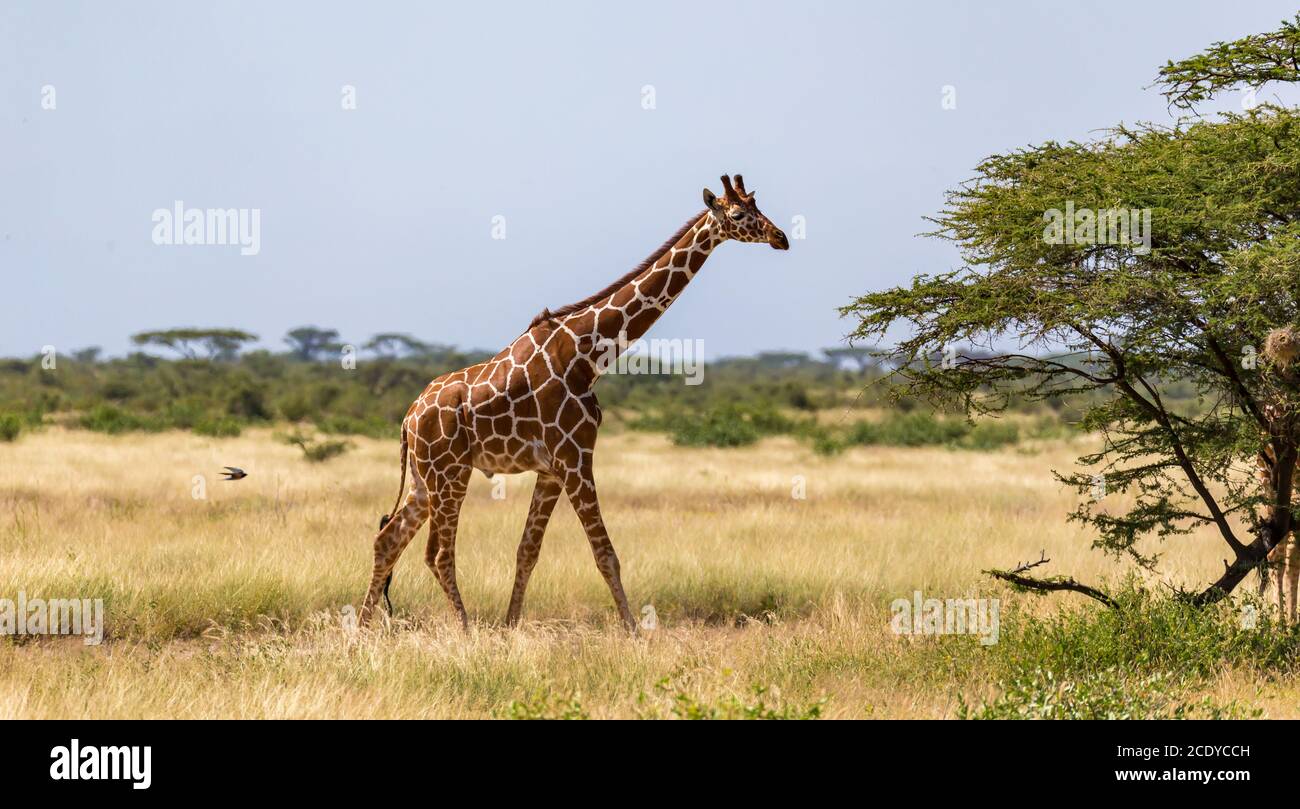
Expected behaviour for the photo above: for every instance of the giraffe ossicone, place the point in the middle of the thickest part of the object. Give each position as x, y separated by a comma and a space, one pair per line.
531, 408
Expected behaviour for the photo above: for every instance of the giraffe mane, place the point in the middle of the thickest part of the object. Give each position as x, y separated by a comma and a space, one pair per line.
547, 314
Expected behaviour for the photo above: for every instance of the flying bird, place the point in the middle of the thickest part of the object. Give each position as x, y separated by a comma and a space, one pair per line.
233, 473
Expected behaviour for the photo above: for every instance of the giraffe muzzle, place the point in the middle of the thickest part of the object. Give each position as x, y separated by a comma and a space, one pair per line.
779, 241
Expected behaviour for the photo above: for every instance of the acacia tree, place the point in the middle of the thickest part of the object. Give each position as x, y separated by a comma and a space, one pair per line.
1048, 305
859, 357
395, 344
217, 344
310, 343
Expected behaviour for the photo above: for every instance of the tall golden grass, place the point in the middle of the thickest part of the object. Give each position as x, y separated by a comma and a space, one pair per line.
231, 599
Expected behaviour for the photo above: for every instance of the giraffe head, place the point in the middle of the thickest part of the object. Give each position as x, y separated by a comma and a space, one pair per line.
738, 218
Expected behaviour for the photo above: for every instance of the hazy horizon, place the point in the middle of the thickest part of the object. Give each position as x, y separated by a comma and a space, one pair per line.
380, 218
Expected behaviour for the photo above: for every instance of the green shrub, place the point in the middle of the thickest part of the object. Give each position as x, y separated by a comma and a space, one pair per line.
727, 425
987, 435
915, 429
1052, 427
921, 429
10, 426
1108, 694
314, 449
1137, 661
107, 418
542, 705
765, 418
825, 443
295, 407
715, 428
797, 396
220, 427
1151, 633
347, 425
321, 451
671, 698
185, 415
247, 400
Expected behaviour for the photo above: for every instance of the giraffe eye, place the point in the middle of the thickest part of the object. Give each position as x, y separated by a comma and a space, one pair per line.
737, 216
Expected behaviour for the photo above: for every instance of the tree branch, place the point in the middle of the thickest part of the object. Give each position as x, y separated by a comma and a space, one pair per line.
1156, 409
1059, 583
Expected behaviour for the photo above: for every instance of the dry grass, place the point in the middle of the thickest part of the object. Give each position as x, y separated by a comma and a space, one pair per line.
233, 604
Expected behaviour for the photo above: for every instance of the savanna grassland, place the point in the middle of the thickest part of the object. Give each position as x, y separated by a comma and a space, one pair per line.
236, 603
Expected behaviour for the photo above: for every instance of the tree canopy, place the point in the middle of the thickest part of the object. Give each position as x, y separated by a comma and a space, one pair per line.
311, 343
1177, 255
1251, 61
217, 344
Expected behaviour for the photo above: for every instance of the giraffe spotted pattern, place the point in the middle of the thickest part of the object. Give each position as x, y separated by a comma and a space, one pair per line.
531, 408
1281, 352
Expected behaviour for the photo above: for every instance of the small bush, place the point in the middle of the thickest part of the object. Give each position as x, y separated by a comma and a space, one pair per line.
916, 429
544, 706
222, 427
1052, 427
988, 435
1151, 633
324, 450
797, 396
826, 444
295, 407
761, 703
1108, 694
10, 426
348, 425
106, 418
716, 428
185, 415
247, 400
920, 429
729, 425
316, 450
765, 418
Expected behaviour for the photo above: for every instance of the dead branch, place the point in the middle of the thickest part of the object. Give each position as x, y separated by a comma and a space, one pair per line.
1055, 584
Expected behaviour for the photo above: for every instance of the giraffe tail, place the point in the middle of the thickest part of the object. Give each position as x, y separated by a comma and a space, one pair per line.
401, 487
386, 519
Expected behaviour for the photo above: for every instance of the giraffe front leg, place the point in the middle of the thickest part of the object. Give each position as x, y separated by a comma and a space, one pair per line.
1268, 569
546, 493
389, 544
1277, 571
582, 494
1289, 577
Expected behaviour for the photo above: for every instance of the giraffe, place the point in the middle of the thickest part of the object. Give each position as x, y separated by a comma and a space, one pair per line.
531, 408
1281, 350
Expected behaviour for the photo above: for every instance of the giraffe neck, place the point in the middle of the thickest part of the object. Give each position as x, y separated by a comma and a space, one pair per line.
628, 313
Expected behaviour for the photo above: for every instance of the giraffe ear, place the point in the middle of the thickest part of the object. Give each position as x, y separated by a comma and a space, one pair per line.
711, 201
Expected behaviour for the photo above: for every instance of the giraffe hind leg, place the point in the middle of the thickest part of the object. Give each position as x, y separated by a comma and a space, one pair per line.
388, 581
449, 489
389, 544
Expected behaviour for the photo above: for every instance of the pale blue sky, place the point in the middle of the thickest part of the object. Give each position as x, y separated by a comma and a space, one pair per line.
379, 218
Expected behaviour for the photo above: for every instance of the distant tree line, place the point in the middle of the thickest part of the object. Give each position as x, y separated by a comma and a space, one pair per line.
214, 381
